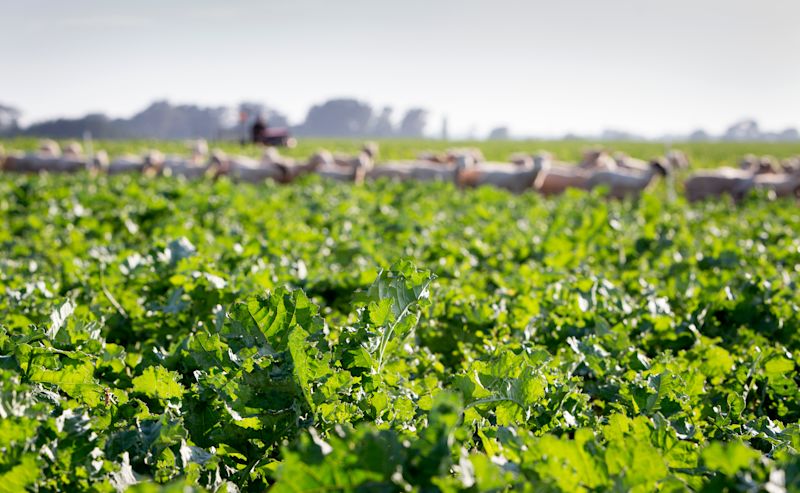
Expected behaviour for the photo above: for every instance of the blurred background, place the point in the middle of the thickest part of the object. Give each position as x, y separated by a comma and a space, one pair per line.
467, 69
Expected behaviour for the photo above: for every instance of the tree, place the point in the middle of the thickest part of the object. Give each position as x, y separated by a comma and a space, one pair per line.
337, 118
414, 123
499, 133
99, 125
699, 135
789, 134
8, 119
383, 126
745, 130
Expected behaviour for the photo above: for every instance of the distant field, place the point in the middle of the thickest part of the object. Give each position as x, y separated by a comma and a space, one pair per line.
702, 154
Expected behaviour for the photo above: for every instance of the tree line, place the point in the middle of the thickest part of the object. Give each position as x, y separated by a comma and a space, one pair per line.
343, 117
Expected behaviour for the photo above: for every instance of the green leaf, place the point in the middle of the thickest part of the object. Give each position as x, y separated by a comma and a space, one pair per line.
75, 378
778, 368
380, 313
58, 319
270, 319
21, 476
393, 303
729, 458
159, 383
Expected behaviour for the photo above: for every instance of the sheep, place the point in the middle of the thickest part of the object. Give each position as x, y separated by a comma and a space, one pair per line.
73, 150
195, 166
11, 162
513, 177
153, 162
412, 170
394, 171
768, 165
433, 157
789, 165
597, 159
782, 185
99, 162
70, 159
623, 183
749, 161
714, 183
68, 164
523, 159
323, 157
422, 170
759, 165
450, 155
246, 169
47, 159
125, 164
199, 150
556, 177
324, 164
629, 163
150, 164
364, 159
186, 168
475, 154
49, 148
449, 171
677, 159
429, 171
372, 149
38, 164
291, 169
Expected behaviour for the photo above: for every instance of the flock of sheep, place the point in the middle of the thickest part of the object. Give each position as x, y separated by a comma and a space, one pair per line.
622, 175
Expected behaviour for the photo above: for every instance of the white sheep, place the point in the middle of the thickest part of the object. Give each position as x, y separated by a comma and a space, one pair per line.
195, 166
49, 148
422, 170
627, 182
782, 184
100, 162
394, 171
186, 168
629, 163
515, 178
325, 165
791, 164
47, 159
199, 150
73, 150
597, 159
759, 165
677, 159
714, 183
44, 159
472, 152
240, 168
150, 163
364, 160
555, 178
128, 163
433, 157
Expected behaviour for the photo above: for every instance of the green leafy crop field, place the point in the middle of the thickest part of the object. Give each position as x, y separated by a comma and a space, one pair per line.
164, 334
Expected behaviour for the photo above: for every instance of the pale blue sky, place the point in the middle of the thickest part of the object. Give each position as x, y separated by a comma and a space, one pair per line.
542, 67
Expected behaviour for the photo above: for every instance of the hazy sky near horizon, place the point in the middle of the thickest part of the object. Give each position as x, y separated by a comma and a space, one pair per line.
540, 67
